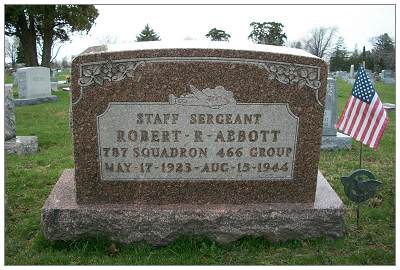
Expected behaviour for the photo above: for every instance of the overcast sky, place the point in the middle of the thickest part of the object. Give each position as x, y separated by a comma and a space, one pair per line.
356, 23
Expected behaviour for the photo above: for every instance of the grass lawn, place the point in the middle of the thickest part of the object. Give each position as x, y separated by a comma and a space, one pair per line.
30, 179
8, 78
63, 74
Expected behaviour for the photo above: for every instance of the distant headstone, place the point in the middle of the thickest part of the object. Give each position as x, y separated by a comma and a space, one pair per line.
387, 76
351, 78
342, 75
34, 82
26, 145
370, 76
15, 78
20, 145
330, 113
352, 72
389, 106
53, 75
34, 86
54, 86
9, 113
224, 143
331, 139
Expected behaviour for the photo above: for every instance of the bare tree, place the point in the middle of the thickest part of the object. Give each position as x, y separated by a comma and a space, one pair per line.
320, 40
10, 47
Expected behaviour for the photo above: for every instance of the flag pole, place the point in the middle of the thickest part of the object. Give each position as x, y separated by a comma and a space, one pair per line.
361, 146
363, 63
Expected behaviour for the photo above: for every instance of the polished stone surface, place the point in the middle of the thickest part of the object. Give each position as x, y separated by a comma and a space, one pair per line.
149, 73
64, 219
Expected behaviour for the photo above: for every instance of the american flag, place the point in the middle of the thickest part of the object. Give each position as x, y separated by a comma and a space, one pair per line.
364, 117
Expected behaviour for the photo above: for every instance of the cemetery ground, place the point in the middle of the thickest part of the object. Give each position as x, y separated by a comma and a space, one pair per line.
29, 180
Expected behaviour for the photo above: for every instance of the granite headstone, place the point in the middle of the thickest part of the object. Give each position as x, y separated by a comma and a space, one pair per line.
217, 140
21, 145
330, 113
387, 76
332, 139
34, 86
9, 113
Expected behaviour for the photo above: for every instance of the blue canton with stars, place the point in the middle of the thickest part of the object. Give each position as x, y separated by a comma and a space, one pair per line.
363, 88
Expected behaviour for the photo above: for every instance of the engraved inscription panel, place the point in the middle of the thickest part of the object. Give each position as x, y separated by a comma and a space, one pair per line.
188, 139
327, 119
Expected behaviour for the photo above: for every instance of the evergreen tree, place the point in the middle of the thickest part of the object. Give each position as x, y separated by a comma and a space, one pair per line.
354, 59
384, 52
339, 59
218, 35
147, 34
270, 33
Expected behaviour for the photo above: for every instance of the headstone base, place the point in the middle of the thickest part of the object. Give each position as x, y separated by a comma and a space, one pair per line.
9, 146
54, 86
21, 145
389, 106
351, 81
389, 81
34, 101
64, 219
340, 141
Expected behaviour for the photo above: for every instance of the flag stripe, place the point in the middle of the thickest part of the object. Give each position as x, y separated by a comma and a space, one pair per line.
381, 130
378, 128
359, 120
378, 118
342, 114
353, 112
361, 124
346, 114
372, 107
371, 121
354, 117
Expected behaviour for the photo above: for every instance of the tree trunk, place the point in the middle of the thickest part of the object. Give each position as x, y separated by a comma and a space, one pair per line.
47, 35
47, 44
28, 40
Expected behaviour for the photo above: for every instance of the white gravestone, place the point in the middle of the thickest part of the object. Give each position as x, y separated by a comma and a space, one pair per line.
34, 86
351, 79
352, 72
34, 82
